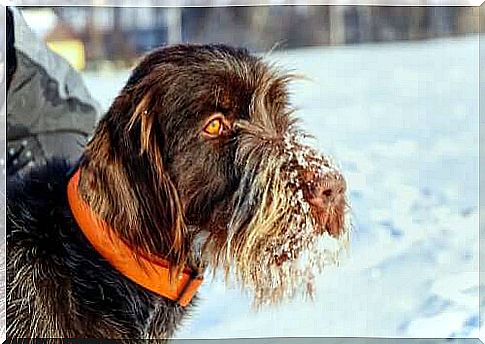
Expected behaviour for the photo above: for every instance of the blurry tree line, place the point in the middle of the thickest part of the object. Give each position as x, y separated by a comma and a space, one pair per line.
297, 26
123, 33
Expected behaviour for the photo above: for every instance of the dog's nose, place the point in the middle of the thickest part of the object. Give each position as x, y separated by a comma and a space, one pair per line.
324, 191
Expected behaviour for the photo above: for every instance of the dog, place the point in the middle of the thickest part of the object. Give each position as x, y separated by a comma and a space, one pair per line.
198, 164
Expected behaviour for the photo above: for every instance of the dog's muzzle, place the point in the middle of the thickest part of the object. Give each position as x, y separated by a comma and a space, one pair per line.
320, 183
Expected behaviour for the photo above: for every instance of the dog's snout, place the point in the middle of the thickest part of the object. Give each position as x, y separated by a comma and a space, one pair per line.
323, 191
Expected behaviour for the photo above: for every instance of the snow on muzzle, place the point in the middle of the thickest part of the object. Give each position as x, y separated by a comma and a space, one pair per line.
297, 223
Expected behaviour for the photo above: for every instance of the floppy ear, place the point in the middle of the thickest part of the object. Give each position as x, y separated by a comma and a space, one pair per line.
160, 210
125, 182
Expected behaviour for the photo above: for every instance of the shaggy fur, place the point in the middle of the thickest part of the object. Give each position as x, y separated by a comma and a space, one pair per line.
251, 201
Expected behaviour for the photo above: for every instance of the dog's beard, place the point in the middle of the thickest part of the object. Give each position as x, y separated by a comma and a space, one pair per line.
276, 240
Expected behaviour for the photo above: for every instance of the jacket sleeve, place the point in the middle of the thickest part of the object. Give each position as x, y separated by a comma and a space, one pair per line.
49, 109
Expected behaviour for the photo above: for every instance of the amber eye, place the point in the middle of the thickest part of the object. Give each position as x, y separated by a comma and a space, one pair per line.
214, 127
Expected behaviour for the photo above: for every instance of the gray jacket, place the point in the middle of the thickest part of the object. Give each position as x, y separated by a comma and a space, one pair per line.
49, 109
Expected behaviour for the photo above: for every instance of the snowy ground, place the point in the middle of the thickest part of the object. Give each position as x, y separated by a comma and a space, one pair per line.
402, 120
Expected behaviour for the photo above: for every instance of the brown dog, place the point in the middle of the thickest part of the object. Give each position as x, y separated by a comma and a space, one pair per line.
197, 163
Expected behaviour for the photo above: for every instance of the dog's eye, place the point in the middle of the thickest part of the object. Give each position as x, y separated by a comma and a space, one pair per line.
214, 127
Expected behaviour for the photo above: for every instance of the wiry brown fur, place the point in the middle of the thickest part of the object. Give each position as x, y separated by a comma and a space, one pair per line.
253, 201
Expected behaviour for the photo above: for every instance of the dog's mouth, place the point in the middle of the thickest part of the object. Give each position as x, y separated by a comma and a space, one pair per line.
315, 180
288, 222
316, 208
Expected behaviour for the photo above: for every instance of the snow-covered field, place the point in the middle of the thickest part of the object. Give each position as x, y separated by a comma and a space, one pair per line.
402, 120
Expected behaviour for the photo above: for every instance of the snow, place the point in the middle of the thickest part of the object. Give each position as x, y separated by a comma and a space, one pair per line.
401, 119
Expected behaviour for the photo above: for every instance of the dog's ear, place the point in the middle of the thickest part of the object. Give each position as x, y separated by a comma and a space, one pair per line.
160, 209
126, 182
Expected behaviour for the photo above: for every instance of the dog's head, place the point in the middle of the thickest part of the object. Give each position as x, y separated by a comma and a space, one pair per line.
202, 140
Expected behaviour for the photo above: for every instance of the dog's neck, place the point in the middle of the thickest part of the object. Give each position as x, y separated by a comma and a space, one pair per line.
148, 271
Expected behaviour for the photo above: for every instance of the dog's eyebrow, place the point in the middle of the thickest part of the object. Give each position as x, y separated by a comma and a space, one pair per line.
241, 124
256, 130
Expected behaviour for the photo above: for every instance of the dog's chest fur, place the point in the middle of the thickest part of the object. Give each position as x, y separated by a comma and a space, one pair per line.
58, 285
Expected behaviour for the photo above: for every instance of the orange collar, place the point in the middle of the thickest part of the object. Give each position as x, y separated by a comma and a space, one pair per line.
153, 274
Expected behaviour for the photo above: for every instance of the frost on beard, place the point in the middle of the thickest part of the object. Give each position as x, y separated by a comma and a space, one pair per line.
294, 256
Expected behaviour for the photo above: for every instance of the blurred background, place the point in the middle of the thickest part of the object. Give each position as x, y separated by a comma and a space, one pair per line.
393, 96
94, 37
